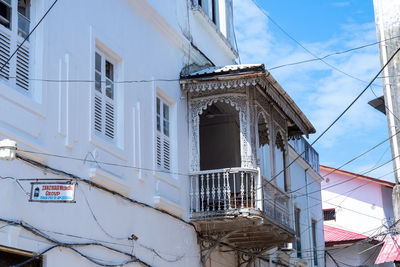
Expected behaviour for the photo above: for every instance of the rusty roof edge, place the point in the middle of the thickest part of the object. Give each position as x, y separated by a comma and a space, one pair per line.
291, 103
253, 72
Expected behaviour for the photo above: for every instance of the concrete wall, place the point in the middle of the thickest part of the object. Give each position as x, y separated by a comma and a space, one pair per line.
307, 184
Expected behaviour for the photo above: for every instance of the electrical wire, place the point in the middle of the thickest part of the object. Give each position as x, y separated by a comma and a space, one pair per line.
340, 115
71, 246
296, 196
102, 162
349, 161
27, 37
125, 238
305, 48
355, 177
332, 54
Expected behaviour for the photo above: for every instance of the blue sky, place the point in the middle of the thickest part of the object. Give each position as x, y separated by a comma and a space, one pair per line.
321, 92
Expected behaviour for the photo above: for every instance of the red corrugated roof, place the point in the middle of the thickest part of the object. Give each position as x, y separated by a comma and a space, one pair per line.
390, 251
358, 176
335, 235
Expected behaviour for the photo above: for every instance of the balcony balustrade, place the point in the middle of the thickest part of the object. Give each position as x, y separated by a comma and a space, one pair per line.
230, 192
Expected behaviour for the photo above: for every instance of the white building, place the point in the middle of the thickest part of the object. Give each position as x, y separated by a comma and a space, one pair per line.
358, 211
174, 162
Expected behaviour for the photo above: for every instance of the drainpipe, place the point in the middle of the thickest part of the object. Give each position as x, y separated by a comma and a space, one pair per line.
309, 217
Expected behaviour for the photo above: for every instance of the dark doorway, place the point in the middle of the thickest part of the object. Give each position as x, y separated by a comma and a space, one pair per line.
219, 137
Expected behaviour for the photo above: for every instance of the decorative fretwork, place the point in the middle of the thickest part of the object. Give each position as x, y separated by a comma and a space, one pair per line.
270, 89
198, 106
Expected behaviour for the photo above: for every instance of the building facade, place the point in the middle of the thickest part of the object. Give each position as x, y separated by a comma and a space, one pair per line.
358, 212
133, 148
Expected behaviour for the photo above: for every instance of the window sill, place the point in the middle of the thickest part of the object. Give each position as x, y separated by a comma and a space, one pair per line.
110, 181
21, 99
108, 147
164, 204
213, 29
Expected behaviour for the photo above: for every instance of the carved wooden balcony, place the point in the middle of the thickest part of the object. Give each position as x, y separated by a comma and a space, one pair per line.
238, 202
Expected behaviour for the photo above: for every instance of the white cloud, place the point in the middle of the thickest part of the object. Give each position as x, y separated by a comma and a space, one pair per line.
321, 92
340, 4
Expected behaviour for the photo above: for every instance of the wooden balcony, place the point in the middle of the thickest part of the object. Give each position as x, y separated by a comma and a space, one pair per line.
242, 206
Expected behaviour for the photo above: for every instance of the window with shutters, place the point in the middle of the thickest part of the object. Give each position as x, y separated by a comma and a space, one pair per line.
104, 97
14, 28
163, 147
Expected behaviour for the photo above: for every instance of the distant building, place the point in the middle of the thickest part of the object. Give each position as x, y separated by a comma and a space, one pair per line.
357, 212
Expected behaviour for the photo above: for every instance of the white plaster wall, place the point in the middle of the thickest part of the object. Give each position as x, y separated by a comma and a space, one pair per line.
307, 184
308, 200
356, 201
147, 38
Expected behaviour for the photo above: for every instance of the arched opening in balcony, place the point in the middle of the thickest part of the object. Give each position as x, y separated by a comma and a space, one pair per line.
219, 137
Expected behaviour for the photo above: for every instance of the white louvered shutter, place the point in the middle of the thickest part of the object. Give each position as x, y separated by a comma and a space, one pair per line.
109, 120
163, 148
4, 54
98, 116
22, 68
104, 106
166, 154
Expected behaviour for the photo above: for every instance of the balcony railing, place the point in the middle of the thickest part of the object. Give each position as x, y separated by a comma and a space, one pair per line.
276, 203
218, 193
303, 148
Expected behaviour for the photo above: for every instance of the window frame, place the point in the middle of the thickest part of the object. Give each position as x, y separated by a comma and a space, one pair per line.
105, 99
314, 241
329, 212
211, 9
280, 147
163, 137
17, 71
297, 241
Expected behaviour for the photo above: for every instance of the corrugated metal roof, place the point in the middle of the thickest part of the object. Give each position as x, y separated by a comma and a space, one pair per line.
353, 175
233, 75
226, 69
337, 235
390, 251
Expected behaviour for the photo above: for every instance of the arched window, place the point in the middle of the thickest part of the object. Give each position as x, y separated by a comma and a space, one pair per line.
280, 162
264, 152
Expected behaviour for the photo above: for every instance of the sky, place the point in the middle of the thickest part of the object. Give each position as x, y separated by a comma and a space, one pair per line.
321, 90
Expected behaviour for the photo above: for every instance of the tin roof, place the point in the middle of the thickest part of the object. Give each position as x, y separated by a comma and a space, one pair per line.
357, 176
337, 236
231, 76
225, 69
390, 251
